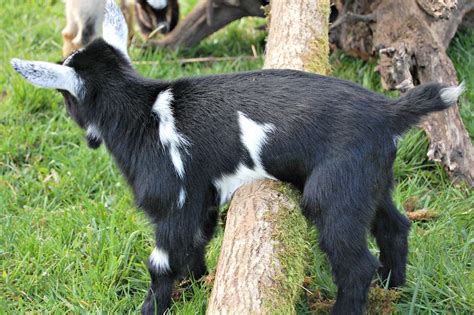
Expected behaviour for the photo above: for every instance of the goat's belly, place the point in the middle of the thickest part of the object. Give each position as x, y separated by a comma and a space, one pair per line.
229, 183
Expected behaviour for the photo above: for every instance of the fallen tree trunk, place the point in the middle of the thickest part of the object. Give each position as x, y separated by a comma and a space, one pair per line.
264, 252
411, 38
206, 18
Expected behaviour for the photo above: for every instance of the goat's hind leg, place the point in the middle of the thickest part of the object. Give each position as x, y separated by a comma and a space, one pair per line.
391, 229
343, 217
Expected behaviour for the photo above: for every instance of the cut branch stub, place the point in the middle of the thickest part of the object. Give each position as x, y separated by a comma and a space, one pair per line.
394, 65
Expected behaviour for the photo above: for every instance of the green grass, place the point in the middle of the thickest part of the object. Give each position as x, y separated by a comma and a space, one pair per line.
71, 239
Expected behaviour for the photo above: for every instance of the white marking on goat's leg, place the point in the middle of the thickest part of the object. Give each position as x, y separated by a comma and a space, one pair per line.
159, 260
169, 136
450, 95
253, 137
158, 4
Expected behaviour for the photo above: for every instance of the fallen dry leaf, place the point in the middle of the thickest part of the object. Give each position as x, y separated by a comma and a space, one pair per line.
422, 215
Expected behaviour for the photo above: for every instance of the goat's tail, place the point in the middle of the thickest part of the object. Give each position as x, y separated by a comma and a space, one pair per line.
420, 101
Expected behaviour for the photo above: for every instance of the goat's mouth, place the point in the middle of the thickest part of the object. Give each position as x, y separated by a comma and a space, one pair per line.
93, 138
93, 143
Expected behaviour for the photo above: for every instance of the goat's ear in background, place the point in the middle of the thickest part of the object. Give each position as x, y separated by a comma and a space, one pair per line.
115, 30
49, 75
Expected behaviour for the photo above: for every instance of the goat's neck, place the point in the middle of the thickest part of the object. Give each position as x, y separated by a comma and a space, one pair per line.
128, 128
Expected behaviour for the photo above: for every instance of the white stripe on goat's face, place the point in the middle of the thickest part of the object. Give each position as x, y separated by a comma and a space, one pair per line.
253, 136
115, 29
158, 4
159, 260
49, 75
169, 136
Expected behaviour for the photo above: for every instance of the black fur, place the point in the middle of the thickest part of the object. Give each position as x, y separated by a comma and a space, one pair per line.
333, 140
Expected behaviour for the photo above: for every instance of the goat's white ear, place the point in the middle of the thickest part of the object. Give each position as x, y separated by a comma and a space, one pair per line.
49, 75
115, 30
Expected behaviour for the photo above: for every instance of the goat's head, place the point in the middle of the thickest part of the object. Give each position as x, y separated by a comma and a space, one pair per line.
156, 15
82, 75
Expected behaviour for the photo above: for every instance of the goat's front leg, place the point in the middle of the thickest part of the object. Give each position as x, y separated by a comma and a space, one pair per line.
158, 299
71, 29
176, 254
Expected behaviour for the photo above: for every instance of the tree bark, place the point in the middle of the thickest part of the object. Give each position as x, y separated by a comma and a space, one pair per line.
297, 39
256, 256
411, 38
262, 261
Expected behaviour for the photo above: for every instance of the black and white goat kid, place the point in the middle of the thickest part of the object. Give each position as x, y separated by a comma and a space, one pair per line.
185, 146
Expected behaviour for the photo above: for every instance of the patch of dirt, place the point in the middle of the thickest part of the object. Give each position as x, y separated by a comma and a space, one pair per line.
382, 301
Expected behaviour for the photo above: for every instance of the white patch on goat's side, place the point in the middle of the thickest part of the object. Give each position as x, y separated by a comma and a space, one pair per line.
93, 132
115, 29
181, 197
169, 136
450, 95
177, 161
253, 137
49, 75
229, 183
159, 260
157, 4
